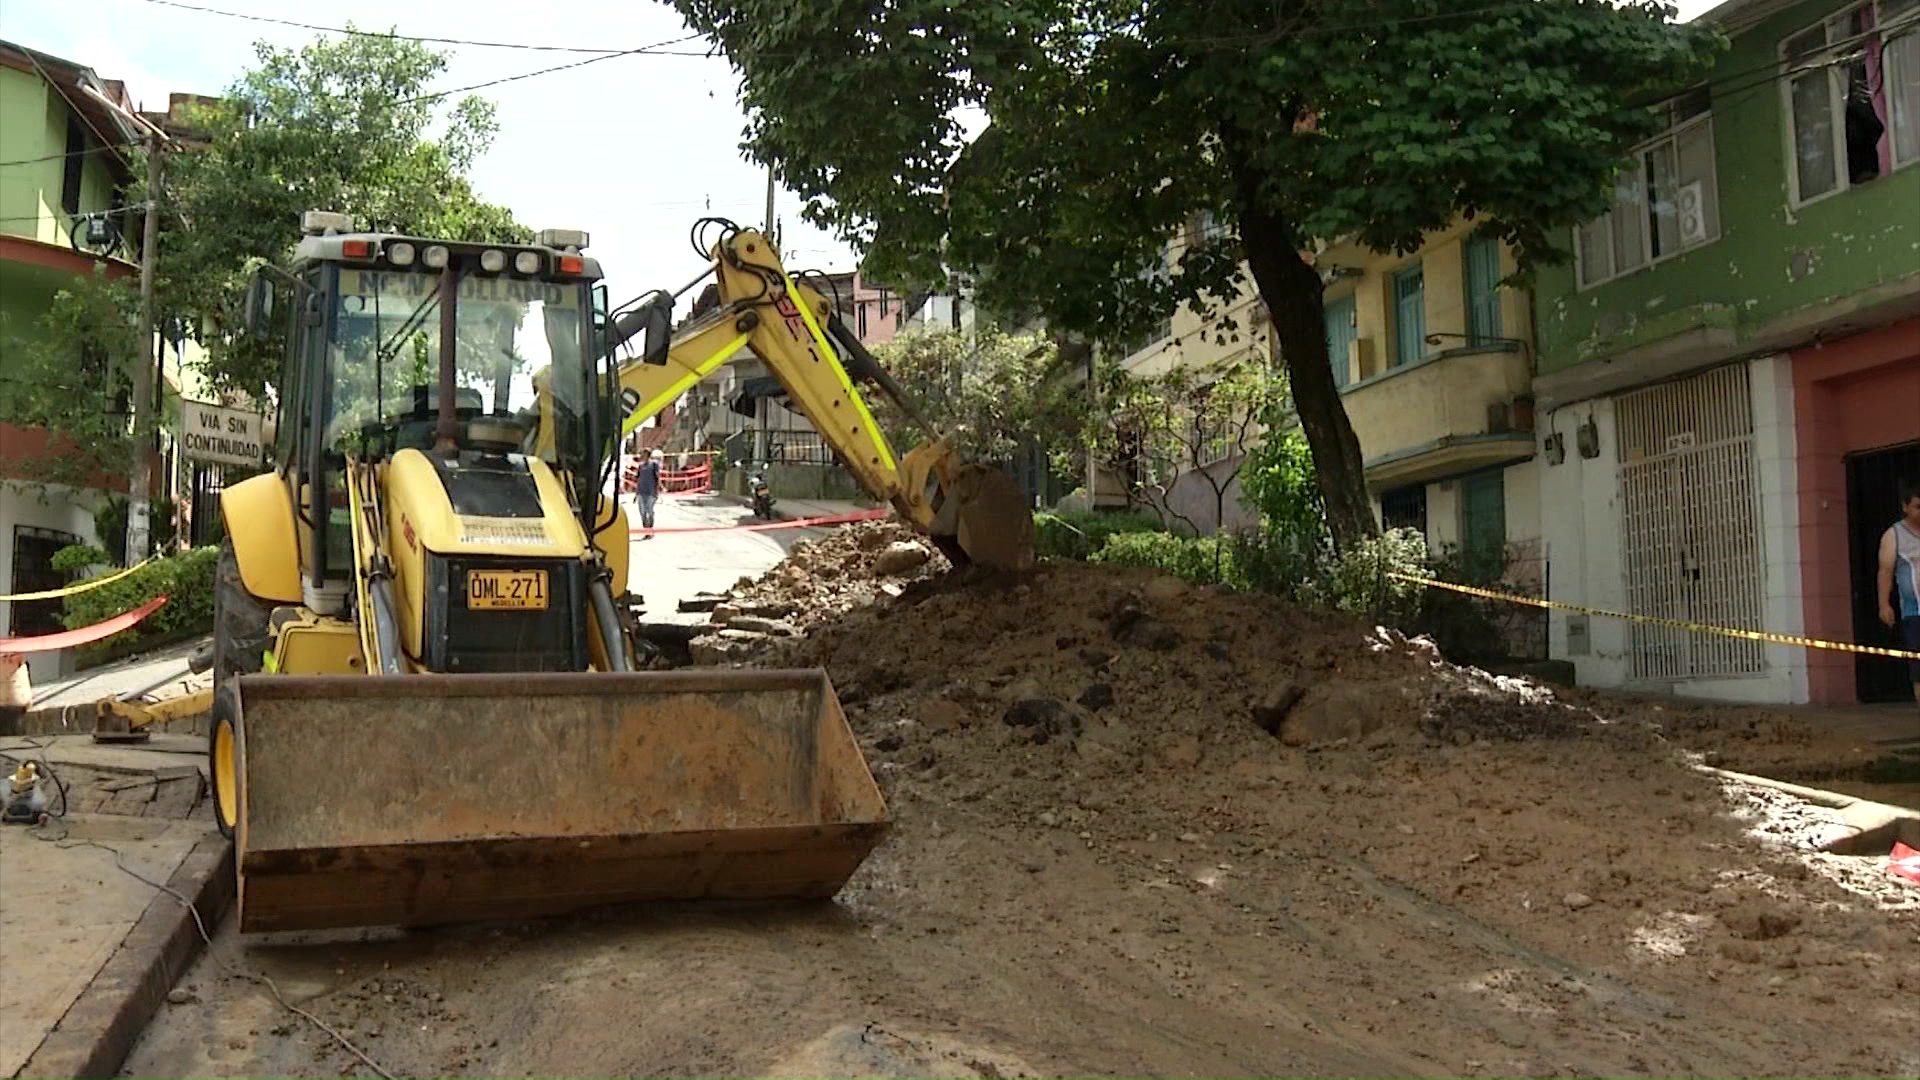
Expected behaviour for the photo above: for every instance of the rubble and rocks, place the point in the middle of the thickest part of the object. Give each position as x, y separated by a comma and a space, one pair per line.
850, 567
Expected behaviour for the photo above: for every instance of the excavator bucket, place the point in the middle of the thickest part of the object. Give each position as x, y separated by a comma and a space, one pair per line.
986, 516
422, 799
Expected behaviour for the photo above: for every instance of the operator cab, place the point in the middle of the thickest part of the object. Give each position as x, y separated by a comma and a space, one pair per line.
480, 355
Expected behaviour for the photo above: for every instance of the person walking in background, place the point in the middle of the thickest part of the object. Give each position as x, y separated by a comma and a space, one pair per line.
1899, 578
646, 487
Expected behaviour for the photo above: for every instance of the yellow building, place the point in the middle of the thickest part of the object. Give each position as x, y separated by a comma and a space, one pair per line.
1435, 360
1434, 356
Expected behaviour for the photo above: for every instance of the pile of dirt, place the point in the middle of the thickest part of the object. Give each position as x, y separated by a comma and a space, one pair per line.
1144, 829
1190, 738
819, 579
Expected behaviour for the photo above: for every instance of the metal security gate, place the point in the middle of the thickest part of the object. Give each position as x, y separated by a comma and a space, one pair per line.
208, 482
1690, 524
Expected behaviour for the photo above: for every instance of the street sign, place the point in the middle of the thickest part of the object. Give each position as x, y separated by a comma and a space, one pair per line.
219, 434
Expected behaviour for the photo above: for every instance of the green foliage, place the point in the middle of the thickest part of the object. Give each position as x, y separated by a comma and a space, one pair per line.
1278, 483
110, 525
1203, 560
187, 582
71, 372
1356, 581
345, 125
74, 558
1112, 127
993, 394
1080, 534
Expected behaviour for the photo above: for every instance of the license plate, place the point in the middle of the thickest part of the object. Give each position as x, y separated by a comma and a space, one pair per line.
506, 590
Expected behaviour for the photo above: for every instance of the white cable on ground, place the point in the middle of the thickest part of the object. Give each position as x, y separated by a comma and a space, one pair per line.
212, 953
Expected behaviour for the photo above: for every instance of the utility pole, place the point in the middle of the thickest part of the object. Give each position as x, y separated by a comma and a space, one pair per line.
769, 228
144, 406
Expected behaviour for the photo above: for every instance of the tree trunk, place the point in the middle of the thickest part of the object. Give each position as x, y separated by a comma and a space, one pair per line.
1291, 290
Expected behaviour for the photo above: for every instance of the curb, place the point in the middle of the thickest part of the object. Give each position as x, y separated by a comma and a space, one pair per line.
100, 1028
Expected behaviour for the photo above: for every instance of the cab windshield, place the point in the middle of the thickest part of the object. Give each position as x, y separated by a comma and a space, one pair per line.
511, 337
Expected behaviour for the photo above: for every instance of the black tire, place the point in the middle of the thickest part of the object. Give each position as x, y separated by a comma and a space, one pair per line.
223, 759
239, 621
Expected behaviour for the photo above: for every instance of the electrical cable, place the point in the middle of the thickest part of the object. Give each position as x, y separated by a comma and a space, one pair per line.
522, 46
214, 955
644, 50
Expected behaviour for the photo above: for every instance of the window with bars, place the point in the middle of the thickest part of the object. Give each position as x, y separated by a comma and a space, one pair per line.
1483, 289
1665, 199
1409, 316
1404, 508
1852, 97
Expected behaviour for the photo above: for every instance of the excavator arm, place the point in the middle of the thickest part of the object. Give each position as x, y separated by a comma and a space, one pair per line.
972, 512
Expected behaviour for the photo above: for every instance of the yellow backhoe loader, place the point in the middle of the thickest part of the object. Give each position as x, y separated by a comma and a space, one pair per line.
426, 704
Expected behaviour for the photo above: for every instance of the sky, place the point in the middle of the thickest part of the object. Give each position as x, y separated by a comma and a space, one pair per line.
633, 149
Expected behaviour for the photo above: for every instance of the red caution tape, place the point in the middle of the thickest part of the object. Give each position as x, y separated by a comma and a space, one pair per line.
1904, 863
85, 635
764, 526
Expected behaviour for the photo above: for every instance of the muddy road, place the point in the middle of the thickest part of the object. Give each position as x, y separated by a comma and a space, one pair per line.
1229, 840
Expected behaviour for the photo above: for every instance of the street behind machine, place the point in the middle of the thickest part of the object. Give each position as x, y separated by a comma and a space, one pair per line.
427, 702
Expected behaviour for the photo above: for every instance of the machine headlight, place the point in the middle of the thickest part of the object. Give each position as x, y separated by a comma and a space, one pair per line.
493, 261
527, 262
400, 253
434, 257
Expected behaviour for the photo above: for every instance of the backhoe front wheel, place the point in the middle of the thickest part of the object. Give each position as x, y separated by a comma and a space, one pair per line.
240, 636
223, 759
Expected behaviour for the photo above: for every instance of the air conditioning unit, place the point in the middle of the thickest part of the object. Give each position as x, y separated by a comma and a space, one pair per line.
1689, 205
1360, 356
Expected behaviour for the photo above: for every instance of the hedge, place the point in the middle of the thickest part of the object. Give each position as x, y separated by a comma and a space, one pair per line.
1079, 534
186, 580
1204, 560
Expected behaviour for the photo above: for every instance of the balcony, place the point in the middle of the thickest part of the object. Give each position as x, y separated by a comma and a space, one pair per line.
1456, 411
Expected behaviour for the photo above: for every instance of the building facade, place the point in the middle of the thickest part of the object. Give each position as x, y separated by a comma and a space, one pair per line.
66, 137
1729, 376
62, 164
1433, 352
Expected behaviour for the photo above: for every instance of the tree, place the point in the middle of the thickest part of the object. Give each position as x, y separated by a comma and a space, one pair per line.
995, 393
1187, 424
1113, 125
71, 375
345, 125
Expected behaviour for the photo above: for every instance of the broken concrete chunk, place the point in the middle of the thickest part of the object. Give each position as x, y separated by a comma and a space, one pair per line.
900, 557
757, 624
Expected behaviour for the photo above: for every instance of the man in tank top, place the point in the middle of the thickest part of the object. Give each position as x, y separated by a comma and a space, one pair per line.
1899, 579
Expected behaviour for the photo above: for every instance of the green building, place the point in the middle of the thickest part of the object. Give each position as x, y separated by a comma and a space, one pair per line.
1728, 379
66, 139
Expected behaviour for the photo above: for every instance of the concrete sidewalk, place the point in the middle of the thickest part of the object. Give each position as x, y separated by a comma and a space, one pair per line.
799, 509
91, 950
67, 705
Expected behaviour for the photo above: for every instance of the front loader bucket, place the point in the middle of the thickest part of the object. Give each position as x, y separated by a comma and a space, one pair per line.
421, 799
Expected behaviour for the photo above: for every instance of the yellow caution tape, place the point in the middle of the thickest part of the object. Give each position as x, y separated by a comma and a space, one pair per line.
1682, 624
90, 583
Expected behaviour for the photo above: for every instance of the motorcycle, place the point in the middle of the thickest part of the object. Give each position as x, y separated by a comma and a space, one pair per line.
762, 496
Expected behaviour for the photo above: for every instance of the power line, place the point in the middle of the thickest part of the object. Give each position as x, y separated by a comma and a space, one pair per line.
71, 153
523, 46
644, 50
